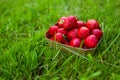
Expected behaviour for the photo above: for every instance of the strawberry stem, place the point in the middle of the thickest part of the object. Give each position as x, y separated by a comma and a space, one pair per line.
81, 43
61, 21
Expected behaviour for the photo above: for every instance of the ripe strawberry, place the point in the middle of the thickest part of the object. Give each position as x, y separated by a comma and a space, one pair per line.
59, 37
70, 22
66, 42
53, 30
98, 33
62, 30
84, 47
75, 42
52, 38
91, 41
92, 24
80, 24
48, 35
83, 32
61, 21
72, 33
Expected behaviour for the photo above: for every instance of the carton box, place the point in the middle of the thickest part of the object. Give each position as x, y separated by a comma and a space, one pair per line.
69, 49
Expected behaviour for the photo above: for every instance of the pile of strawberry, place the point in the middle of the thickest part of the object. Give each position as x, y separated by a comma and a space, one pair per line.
73, 32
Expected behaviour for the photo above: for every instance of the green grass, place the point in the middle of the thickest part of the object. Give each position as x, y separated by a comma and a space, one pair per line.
25, 55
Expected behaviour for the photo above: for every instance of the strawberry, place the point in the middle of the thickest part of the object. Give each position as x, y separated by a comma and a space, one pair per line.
83, 32
70, 22
62, 30
91, 41
59, 37
61, 21
53, 30
75, 42
72, 33
80, 24
84, 47
98, 33
66, 42
92, 24
52, 38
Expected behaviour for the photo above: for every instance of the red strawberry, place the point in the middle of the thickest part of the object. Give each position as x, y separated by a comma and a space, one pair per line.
62, 30
91, 41
61, 21
83, 32
66, 42
80, 24
52, 38
53, 30
92, 24
75, 42
84, 47
70, 22
72, 33
59, 37
98, 33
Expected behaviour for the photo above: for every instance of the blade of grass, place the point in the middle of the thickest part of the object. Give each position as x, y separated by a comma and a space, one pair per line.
76, 53
110, 44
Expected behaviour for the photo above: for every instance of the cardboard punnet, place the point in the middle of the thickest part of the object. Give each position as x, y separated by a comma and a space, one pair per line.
66, 48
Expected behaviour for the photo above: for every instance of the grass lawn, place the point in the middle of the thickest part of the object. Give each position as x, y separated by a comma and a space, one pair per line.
25, 55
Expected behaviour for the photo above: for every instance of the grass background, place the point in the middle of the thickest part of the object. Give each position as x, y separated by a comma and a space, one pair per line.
25, 55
